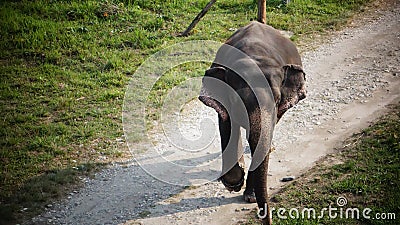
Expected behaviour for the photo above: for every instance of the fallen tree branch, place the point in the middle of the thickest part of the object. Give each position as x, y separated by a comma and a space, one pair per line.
197, 19
261, 15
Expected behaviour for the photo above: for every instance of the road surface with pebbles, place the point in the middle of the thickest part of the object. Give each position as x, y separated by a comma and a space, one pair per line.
350, 80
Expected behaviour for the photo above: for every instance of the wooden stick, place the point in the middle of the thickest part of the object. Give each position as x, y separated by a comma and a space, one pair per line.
262, 11
197, 19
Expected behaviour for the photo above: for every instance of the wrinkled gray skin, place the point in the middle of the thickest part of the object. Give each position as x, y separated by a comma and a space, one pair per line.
278, 60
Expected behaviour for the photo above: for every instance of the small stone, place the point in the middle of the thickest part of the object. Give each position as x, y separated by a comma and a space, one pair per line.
317, 179
287, 179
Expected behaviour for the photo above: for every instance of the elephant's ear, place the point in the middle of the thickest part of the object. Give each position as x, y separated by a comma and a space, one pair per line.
217, 72
293, 73
293, 88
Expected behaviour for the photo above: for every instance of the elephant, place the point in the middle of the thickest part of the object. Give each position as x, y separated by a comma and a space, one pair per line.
255, 78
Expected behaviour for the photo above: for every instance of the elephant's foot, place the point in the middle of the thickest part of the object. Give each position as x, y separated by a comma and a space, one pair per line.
267, 220
234, 179
249, 196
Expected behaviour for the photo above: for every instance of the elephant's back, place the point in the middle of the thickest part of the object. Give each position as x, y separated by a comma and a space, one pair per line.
263, 40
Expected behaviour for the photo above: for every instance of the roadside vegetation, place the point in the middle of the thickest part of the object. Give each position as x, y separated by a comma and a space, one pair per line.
365, 176
64, 66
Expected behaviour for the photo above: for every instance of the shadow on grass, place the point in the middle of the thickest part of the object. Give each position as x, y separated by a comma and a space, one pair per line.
34, 195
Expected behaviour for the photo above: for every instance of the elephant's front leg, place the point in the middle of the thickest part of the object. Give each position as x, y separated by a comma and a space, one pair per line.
232, 172
261, 192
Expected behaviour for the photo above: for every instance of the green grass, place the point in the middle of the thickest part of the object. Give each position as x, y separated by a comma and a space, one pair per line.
368, 177
64, 67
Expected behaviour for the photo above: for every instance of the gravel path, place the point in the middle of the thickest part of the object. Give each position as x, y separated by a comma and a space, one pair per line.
350, 80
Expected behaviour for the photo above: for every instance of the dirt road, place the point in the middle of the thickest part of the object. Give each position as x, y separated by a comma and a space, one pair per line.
350, 80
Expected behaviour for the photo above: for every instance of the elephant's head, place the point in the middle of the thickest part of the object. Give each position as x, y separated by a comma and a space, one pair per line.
287, 85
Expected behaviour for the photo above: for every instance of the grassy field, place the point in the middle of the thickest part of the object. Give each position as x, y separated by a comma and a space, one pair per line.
64, 66
366, 173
